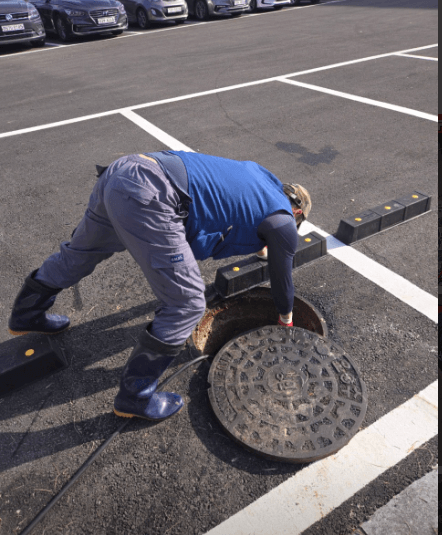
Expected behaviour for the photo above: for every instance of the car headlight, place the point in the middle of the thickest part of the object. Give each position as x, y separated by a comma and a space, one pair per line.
33, 13
74, 13
121, 8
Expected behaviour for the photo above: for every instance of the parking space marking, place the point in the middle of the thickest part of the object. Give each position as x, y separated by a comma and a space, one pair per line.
154, 131
204, 93
355, 61
364, 100
428, 58
24, 52
383, 277
324, 485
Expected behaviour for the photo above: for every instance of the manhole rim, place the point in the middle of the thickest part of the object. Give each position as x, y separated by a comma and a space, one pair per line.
255, 292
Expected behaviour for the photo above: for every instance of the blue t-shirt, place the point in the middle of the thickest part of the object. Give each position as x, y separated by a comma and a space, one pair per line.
236, 208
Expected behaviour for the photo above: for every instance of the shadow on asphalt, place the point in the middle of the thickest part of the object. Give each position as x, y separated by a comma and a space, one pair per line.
209, 432
86, 345
102, 339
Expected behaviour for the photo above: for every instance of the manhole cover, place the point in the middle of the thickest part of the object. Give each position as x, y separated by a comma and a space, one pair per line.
287, 394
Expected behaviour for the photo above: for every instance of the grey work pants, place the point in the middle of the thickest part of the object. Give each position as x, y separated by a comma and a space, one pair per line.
133, 206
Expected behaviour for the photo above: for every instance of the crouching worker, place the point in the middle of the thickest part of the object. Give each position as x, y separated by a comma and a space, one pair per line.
169, 209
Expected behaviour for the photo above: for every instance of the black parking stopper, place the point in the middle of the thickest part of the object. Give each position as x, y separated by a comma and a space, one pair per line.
415, 203
239, 276
265, 270
310, 247
27, 359
391, 213
358, 226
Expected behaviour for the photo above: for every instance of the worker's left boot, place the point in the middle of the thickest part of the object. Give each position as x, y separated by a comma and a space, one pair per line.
29, 309
150, 358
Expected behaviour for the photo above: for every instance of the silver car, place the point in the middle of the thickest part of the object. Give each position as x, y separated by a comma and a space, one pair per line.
206, 9
146, 12
20, 23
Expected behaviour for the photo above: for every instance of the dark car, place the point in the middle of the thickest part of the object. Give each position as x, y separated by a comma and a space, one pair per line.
205, 9
20, 23
69, 18
148, 12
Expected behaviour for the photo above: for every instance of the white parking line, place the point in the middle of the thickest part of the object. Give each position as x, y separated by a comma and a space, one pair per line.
155, 132
315, 491
383, 277
24, 52
355, 61
364, 100
200, 94
417, 57
386, 279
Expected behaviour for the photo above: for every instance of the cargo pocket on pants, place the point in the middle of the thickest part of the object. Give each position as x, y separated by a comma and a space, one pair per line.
175, 276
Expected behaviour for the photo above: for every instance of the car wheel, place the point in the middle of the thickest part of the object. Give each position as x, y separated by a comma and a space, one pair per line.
142, 18
38, 42
253, 6
63, 31
201, 10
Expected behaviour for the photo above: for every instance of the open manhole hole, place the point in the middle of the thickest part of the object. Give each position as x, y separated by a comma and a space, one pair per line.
252, 309
287, 394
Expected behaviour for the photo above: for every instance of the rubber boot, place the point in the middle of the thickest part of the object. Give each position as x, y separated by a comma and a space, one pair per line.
150, 358
29, 310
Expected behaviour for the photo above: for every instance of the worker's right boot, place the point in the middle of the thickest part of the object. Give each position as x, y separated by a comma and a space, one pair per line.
150, 358
29, 309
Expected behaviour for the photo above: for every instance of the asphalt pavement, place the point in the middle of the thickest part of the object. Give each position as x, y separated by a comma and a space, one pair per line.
340, 97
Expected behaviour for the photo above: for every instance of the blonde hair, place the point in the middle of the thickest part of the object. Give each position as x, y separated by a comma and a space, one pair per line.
300, 198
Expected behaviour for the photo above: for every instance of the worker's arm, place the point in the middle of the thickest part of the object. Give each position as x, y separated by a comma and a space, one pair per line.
279, 233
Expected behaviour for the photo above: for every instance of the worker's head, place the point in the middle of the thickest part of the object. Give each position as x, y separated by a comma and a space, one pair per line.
300, 200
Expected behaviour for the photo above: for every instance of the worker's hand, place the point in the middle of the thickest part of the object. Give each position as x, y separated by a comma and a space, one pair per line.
286, 320
263, 254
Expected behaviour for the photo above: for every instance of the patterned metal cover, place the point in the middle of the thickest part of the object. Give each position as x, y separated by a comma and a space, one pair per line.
287, 394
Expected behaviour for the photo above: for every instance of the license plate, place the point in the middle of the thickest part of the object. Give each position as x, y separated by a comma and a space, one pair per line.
13, 28
174, 10
106, 20
238, 2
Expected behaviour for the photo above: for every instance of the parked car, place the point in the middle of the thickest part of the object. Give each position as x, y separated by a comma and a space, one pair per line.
20, 23
256, 5
204, 9
146, 12
69, 18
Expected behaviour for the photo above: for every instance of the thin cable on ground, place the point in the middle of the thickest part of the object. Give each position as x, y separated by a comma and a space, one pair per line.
97, 452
